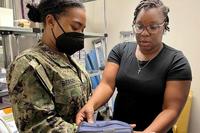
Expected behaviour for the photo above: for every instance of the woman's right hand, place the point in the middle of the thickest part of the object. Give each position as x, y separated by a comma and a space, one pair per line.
134, 125
86, 113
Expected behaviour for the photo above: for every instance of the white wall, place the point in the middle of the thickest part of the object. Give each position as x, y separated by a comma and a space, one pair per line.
184, 34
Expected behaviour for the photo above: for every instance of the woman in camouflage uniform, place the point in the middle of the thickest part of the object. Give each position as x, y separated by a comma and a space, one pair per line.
46, 86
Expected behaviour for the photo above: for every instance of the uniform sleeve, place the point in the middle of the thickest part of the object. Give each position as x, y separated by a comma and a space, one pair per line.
115, 54
33, 108
180, 68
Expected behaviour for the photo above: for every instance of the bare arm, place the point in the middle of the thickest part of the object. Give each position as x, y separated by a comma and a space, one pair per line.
105, 89
175, 97
101, 95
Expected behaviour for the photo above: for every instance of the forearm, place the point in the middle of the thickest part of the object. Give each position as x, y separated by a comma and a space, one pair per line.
105, 89
101, 95
163, 122
175, 97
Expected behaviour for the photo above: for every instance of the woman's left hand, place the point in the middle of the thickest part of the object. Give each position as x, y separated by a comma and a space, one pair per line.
133, 125
142, 132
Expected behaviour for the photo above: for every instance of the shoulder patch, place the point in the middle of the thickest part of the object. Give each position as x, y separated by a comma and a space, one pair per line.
18, 68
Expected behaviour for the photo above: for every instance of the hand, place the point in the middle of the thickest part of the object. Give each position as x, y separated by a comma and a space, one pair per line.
133, 125
87, 112
142, 132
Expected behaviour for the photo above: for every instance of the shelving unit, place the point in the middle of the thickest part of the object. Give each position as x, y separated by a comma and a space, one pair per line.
3, 93
17, 30
7, 34
84, 1
101, 40
94, 35
98, 36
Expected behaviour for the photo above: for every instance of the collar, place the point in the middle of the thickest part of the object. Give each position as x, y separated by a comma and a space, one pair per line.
58, 58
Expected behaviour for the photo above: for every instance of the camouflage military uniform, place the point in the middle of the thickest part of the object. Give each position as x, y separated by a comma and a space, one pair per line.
46, 103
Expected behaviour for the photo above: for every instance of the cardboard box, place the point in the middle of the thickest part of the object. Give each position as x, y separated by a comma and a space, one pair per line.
6, 17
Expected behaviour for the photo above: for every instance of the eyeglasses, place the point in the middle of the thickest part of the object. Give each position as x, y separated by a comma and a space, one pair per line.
152, 29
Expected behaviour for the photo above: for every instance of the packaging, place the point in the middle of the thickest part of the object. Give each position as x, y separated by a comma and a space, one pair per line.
6, 17
7, 123
112, 126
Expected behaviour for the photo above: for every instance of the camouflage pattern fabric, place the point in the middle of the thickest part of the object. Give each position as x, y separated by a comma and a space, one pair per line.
38, 108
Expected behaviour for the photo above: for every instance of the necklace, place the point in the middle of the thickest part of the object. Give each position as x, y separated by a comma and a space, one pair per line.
138, 64
140, 68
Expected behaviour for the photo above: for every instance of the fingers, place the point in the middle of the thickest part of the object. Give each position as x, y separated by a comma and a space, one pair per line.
142, 132
86, 112
133, 125
90, 115
79, 117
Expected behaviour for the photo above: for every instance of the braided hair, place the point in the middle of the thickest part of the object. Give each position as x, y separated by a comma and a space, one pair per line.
38, 13
148, 4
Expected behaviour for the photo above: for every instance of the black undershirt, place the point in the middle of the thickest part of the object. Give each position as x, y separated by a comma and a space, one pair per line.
140, 96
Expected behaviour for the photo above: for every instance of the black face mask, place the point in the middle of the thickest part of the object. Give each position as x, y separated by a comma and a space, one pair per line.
69, 42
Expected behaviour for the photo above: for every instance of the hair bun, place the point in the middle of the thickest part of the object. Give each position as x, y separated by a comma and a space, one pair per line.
34, 14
